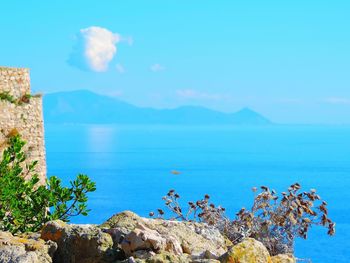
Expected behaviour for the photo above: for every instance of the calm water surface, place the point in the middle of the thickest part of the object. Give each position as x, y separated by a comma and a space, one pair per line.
132, 164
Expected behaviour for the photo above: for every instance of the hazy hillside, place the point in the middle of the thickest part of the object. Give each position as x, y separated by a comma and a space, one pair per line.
87, 107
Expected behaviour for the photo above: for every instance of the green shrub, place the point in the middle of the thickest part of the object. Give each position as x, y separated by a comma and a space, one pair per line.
24, 204
7, 97
24, 99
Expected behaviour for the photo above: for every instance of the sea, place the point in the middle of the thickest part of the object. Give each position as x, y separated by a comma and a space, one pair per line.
133, 168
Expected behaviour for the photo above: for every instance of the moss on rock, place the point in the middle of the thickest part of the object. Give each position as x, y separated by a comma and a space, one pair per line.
248, 251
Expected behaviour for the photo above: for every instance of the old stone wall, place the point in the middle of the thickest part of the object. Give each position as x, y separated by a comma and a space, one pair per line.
22, 113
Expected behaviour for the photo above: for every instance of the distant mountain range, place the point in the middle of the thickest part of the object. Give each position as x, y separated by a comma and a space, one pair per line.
86, 107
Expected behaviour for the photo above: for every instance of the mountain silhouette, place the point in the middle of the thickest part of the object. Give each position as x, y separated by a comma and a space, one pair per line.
86, 107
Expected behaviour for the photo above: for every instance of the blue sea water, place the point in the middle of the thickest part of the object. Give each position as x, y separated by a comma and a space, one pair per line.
132, 168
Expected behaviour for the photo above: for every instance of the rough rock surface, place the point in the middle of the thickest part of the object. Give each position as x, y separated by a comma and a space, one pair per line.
25, 249
283, 258
248, 251
79, 243
26, 118
128, 238
137, 236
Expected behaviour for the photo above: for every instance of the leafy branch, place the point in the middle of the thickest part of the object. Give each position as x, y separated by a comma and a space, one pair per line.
24, 204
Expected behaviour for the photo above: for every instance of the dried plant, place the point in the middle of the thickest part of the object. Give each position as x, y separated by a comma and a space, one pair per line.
200, 211
274, 220
277, 220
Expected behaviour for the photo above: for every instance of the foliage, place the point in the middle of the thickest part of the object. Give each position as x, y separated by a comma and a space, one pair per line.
24, 204
6, 96
274, 220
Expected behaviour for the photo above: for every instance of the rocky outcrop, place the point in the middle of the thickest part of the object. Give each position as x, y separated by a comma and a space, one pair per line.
129, 238
283, 258
249, 250
79, 243
25, 249
138, 237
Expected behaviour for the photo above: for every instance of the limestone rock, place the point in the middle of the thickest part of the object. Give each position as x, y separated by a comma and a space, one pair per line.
205, 261
283, 258
79, 243
124, 221
248, 251
23, 249
134, 233
167, 257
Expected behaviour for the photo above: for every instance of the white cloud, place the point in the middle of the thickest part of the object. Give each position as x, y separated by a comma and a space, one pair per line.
290, 101
95, 48
100, 47
120, 68
116, 93
195, 94
337, 100
157, 67
128, 40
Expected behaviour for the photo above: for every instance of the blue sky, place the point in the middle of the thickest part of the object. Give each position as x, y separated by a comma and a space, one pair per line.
289, 60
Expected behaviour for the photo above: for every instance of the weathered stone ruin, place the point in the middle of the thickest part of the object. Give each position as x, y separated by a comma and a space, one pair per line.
20, 112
